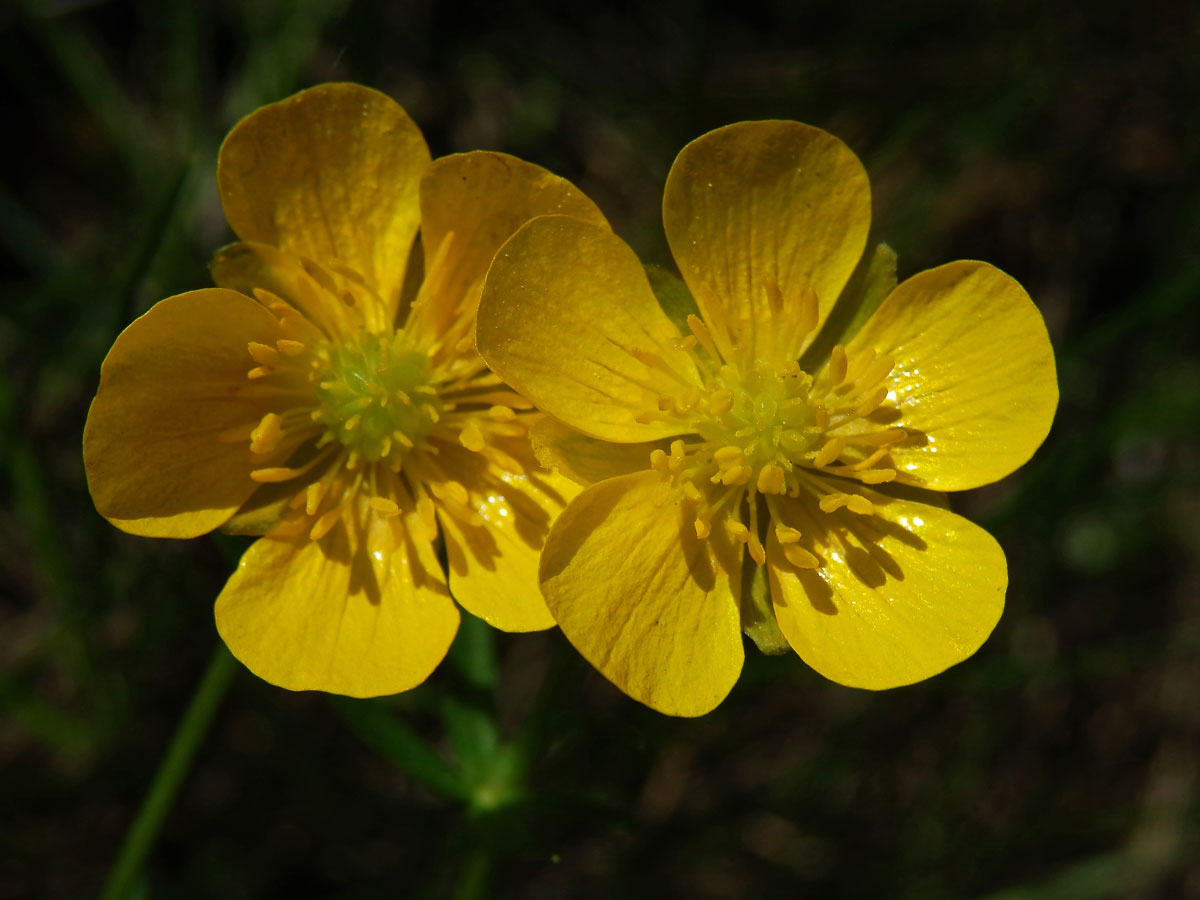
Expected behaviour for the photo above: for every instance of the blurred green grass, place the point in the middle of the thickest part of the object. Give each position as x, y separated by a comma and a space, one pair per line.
1061, 761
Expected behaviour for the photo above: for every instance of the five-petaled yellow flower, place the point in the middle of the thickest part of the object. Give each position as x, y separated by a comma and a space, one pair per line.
769, 426
328, 396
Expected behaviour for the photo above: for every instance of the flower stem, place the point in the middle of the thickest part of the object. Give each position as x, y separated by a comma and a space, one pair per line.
170, 775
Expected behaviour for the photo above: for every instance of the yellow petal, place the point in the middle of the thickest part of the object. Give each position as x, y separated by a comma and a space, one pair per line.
765, 202
321, 615
647, 603
898, 596
172, 384
477, 201
494, 564
331, 173
566, 306
974, 377
585, 460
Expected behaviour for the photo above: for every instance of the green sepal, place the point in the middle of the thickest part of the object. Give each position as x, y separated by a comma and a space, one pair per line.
872, 281
673, 296
758, 615
263, 511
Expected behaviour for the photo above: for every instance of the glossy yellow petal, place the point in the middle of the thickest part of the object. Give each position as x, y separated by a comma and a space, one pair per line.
898, 596
761, 203
157, 457
974, 377
569, 320
646, 602
586, 460
322, 615
494, 560
471, 203
331, 173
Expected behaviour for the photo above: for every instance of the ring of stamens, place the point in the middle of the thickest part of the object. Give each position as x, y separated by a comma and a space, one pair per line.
762, 427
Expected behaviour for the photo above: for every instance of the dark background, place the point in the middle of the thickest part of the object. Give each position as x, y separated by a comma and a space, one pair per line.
1058, 141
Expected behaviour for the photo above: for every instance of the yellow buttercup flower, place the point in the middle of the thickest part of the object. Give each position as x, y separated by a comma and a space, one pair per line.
328, 396
772, 430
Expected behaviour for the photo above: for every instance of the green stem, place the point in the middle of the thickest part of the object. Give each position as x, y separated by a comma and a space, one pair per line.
171, 771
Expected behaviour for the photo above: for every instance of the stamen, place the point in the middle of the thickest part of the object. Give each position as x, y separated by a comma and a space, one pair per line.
832, 450
471, 436
385, 507
263, 355
799, 557
265, 437
771, 479
837, 365
785, 534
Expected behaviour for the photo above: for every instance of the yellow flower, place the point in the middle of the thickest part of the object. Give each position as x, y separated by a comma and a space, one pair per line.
716, 445
329, 397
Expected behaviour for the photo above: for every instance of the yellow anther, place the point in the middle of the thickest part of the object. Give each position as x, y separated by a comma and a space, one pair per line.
385, 507
501, 413
785, 534
677, 455
703, 525
272, 474
829, 452
402, 439
871, 403
729, 454
659, 459
757, 553
820, 415
431, 411
664, 403
259, 372
877, 476
875, 373
262, 354
720, 402
737, 530
837, 365
351, 423
789, 368
857, 503
737, 475
290, 348
313, 495
323, 525
403, 397
832, 502
771, 479
799, 557
471, 436
691, 492
265, 437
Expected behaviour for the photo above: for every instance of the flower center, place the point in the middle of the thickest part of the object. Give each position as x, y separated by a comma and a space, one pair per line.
375, 396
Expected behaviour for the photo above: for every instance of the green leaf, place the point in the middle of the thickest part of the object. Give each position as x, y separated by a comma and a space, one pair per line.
399, 745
